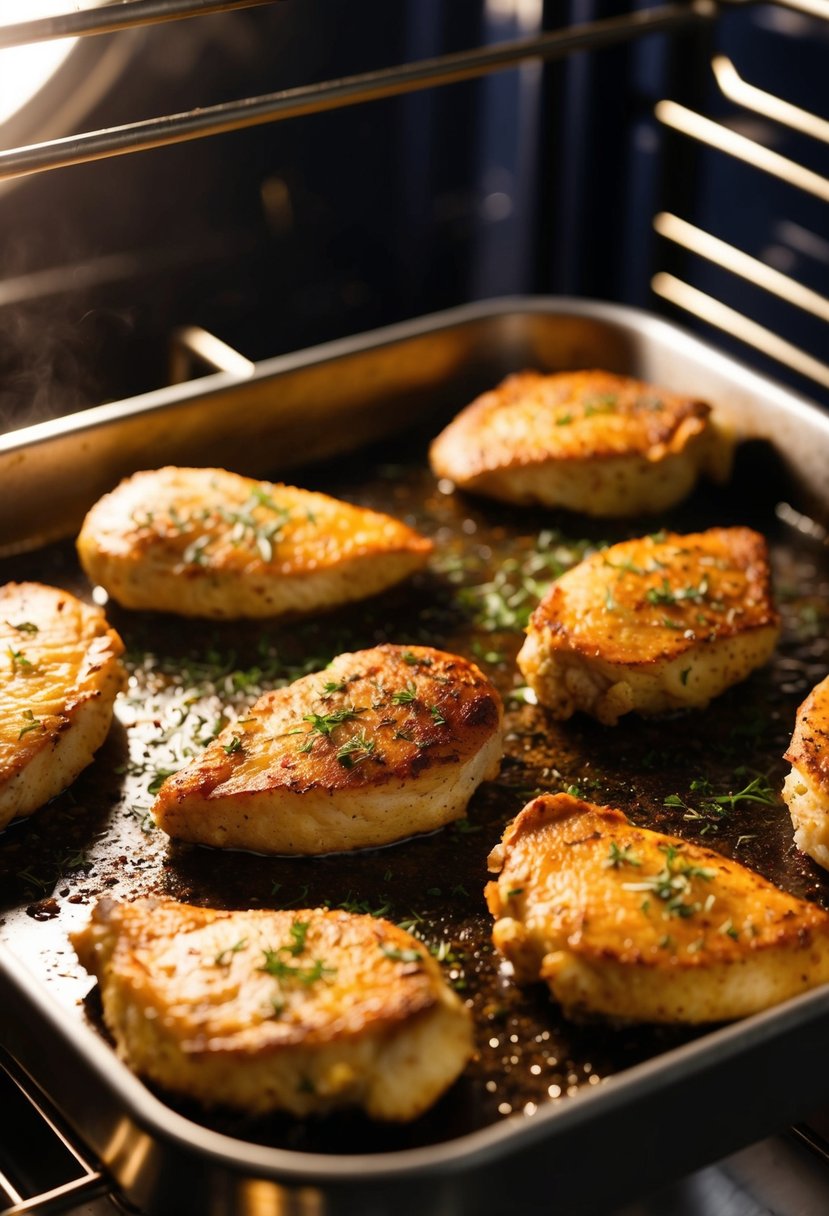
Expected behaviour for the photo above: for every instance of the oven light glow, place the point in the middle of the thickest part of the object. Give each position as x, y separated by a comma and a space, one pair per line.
24, 70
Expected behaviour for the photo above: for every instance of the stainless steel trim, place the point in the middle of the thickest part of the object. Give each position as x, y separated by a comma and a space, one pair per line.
348, 91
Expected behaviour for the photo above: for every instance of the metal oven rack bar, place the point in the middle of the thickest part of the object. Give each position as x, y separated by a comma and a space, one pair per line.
723, 138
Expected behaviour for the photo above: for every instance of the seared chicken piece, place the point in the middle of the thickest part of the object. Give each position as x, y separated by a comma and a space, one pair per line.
633, 925
208, 543
298, 1011
806, 789
382, 744
660, 623
59, 676
590, 441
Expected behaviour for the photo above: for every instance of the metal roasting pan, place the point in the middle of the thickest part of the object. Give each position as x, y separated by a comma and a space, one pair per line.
357, 414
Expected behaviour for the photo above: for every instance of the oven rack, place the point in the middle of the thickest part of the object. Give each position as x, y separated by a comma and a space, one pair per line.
683, 241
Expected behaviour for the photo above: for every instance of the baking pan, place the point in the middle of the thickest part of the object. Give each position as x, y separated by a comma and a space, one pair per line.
581, 1117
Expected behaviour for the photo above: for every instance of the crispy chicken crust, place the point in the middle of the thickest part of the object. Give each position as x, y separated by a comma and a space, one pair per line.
659, 623
381, 745
209, 543
302, 1011
589, 441
59, 676
628, 924
806, 789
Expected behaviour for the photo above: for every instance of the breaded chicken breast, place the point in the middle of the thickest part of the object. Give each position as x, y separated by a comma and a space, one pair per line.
806, 789
208, 543
381, 745
589, 441
632, 925
658, 623
59, 676
300, 1011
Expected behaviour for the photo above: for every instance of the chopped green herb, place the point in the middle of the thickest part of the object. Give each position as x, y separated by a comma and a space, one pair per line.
19, 660
224, 956
618, 857
332, 686
603, 403
669, 595
32, 723
672, 883
195, 553
437, 715
683, 675
24, 627
405, 696
277, 965
414, 660
358, 748
564, 420
325, 724
235, 745
400, 956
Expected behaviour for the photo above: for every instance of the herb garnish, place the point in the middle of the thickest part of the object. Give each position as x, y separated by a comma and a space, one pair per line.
325, 724
358, 748
712, 807
279, 967
32, 723
24, 627
618, 857
235, 745
672, 883
405, 696
19, 660
669, 595
400, 956
224, 956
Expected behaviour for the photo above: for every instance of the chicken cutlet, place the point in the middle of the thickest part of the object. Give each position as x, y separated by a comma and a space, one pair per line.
806, 789
381, 745
59, 676
209, 543
659, 623
589, 441
628, 924
302, 1011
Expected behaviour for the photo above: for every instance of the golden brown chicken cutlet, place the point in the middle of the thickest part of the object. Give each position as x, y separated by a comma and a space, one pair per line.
303, 1011
209, 543
631, 925
59, 676
589, 441
806, 789
381, 745
659, 623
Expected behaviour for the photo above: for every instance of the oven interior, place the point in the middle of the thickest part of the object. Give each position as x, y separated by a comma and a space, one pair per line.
668, 156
